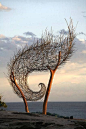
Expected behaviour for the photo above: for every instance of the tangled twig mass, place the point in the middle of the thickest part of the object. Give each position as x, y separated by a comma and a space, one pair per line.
40, 56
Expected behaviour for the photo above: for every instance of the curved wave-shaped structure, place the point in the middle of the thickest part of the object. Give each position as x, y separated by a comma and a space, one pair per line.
39, 57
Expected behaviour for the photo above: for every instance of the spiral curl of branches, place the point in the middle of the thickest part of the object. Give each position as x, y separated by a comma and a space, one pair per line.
40, 56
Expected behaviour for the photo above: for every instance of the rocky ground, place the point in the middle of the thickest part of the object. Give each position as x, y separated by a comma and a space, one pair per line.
15, 120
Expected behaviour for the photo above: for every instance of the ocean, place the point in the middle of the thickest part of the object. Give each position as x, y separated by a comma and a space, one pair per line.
75, 109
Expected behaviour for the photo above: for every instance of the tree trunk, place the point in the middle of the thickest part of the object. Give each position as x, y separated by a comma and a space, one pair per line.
52, 72
24, 99
48, 91
26, 105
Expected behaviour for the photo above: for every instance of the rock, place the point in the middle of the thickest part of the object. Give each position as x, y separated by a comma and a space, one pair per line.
71, 117
19, 120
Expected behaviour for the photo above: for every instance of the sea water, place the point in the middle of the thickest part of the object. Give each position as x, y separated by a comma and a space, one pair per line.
75, 109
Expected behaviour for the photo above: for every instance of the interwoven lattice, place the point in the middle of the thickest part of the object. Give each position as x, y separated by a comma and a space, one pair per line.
40, 56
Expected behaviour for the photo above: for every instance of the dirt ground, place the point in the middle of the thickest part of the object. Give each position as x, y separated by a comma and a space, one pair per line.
16, 120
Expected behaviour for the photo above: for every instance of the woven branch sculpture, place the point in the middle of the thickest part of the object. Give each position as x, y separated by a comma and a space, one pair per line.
46, 54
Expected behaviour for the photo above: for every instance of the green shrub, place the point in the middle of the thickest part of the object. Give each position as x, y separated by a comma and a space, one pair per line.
2, 104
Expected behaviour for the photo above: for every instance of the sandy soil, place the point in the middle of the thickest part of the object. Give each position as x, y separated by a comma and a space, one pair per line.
16, 120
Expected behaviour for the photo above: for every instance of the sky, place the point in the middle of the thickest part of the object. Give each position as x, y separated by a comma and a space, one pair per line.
22, 21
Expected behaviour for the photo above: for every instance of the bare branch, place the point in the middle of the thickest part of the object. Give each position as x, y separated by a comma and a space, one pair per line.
59, 58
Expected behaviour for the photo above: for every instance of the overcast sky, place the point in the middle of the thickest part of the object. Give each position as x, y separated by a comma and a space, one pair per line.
23, 20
